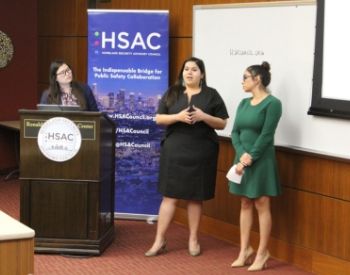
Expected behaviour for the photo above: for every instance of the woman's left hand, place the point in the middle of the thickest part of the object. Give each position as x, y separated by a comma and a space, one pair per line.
197, 115
246, 159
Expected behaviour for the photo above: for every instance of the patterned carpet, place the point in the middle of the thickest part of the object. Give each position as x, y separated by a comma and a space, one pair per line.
133, 238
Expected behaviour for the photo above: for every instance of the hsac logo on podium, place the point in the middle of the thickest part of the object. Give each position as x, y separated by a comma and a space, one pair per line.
59, 139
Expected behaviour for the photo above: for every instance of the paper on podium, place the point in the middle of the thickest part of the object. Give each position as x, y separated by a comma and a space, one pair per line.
233, 176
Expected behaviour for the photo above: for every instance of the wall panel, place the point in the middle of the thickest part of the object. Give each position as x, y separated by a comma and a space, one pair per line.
18, 19
62, 18
180, 49
316, 174
63, 48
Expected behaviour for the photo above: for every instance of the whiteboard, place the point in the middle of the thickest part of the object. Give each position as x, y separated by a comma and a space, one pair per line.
337, 18
229, 38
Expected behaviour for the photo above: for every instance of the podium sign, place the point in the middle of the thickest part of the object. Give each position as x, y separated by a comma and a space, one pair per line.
59, 139
67, 165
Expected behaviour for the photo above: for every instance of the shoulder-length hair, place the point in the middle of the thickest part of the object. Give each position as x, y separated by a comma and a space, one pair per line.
175, 90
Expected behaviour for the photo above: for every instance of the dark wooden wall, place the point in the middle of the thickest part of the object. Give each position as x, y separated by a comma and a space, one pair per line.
18, 19
62, 35
310, 223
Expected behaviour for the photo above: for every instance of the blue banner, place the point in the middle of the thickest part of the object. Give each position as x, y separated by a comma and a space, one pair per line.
128, 57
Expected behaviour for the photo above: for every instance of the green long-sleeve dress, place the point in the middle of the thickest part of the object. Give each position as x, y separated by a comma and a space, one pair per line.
253, 132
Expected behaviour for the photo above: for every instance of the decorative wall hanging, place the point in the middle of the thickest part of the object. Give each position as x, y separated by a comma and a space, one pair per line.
6, 50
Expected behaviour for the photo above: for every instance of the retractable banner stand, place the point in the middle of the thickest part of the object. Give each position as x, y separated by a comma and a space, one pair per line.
128, 72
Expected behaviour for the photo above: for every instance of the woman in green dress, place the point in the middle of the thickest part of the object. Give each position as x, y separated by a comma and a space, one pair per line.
253, 140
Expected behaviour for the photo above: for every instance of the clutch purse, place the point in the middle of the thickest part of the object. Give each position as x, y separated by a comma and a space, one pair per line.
233, 176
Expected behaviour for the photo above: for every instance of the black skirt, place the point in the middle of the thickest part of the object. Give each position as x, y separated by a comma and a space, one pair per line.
188, 163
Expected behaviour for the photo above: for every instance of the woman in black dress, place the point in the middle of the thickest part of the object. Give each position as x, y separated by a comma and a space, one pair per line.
191, 111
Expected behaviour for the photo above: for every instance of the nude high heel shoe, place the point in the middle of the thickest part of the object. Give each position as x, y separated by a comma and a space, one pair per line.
257, 266
195, 252
246, 260
161, 250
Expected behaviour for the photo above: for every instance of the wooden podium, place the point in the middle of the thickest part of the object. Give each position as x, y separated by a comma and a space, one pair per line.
69, 204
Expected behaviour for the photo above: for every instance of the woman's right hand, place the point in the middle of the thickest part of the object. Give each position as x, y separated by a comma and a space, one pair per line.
239, 168
185, 116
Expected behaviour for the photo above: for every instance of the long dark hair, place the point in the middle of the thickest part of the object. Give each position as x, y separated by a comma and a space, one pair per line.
55, 92
175, 90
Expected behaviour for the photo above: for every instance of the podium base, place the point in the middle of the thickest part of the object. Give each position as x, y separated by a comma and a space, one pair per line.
74, 246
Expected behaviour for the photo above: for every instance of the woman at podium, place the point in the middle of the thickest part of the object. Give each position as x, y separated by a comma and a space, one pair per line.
63, 90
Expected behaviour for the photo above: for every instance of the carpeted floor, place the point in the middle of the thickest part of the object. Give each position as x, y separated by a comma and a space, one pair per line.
133, 238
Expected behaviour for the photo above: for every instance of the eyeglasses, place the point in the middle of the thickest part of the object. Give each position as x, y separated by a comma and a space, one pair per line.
246, 76
65, 72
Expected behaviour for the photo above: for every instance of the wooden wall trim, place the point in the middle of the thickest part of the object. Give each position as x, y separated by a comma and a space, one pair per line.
300, 151
310, 153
